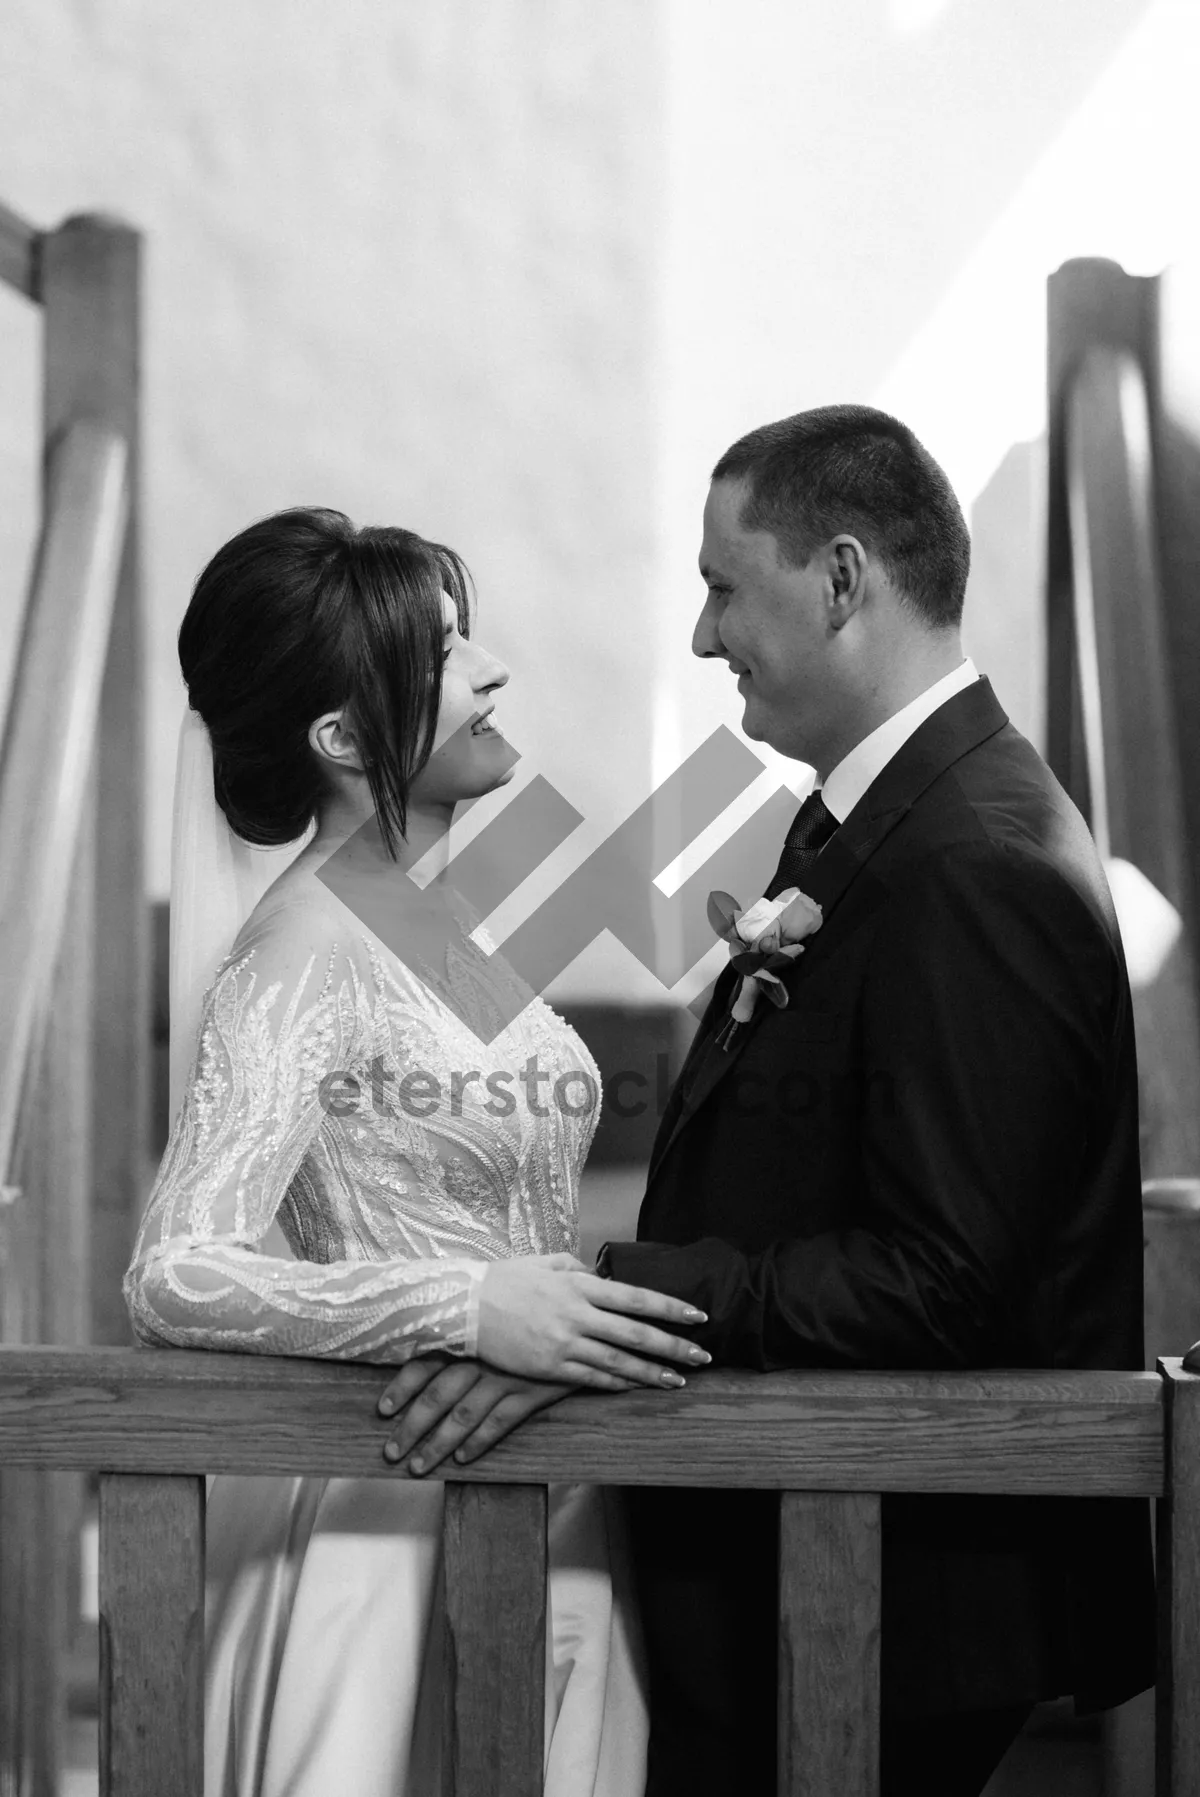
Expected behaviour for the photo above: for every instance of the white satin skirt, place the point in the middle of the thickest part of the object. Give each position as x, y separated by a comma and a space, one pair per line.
324, 1636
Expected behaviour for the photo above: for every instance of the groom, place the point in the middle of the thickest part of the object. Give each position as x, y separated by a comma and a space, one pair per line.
929, 1158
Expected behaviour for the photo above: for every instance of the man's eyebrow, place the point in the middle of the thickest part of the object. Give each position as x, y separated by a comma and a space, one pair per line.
708, 572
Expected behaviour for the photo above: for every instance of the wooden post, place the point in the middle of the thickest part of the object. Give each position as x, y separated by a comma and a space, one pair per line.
90, 274
83, 1140
1177, 1537
829, 1602
151, 1636
494, 1539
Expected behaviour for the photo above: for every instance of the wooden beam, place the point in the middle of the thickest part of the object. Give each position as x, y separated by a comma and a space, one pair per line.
169, 1410
1122, 662
830, 1591
151, 1636
44, 776
1177, 1539
91, 284
494, 1542
1089, 301
1129, 724
1115, 576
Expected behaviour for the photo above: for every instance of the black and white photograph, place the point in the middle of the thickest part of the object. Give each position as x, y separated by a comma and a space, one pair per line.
600, 898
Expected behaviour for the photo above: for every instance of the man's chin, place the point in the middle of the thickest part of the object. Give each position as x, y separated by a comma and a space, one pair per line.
756, 723
751, 721
760, 727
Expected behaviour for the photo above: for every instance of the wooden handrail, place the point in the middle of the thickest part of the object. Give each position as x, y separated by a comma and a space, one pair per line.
176, 1411
51, 732
19, 254
155, 1421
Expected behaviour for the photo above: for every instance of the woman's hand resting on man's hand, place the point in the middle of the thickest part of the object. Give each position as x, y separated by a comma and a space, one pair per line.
546, 1317
546, 1325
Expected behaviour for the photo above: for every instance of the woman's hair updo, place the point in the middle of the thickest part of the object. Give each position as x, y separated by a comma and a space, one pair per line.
303, 614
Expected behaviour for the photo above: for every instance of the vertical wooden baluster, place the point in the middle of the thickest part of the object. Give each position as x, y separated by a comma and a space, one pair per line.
151, 1636
494, 1539
56, 1187
1177, 1730
829, 1597
28, 1643
25, 1650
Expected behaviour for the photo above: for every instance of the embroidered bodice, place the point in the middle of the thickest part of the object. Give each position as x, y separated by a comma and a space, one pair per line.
335, 1097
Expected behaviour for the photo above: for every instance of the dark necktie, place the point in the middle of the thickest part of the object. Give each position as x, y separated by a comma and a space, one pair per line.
811, 829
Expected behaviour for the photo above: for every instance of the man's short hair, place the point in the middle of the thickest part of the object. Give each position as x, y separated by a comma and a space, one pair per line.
855, 470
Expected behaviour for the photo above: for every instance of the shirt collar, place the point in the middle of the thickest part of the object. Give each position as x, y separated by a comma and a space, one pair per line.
853, 774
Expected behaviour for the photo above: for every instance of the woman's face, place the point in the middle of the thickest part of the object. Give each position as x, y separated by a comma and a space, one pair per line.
470, 756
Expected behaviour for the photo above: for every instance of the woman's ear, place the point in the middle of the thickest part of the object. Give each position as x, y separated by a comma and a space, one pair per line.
332, 740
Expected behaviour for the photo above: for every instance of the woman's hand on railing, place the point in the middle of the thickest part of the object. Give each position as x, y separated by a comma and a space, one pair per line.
461, 1407
546, 1317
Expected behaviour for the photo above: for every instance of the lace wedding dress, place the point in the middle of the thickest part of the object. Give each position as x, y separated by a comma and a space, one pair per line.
292, 1216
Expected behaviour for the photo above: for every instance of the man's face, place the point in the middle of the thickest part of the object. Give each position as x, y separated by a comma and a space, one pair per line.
771, 623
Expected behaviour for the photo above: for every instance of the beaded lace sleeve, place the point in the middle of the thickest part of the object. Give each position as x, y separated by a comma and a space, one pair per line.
289, 1008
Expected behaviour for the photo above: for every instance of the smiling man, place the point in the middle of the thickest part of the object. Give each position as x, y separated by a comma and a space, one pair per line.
965, 1190
979, 1206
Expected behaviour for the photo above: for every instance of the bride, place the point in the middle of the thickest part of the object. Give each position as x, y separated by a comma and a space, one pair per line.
342, 1180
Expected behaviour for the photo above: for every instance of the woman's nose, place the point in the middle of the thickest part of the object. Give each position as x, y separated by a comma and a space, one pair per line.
492, 674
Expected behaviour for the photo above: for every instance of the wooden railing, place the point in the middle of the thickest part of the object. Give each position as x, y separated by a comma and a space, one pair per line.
153, 1423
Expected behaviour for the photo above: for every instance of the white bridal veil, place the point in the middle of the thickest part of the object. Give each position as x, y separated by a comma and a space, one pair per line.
216, 881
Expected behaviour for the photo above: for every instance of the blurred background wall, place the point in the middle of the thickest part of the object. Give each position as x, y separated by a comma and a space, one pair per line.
515, 273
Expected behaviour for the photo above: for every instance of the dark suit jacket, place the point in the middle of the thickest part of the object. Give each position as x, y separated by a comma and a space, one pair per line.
928, 1159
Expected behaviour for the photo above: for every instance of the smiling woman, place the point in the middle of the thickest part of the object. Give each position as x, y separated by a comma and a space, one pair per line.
340, 685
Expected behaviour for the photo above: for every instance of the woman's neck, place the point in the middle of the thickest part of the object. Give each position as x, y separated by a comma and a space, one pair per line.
427, 832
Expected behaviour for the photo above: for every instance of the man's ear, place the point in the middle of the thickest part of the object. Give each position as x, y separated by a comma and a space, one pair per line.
332, 740
846, 576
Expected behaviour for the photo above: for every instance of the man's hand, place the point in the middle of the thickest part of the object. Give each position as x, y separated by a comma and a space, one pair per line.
460, 1407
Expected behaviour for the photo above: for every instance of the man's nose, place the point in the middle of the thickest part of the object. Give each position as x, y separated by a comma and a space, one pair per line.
705, 638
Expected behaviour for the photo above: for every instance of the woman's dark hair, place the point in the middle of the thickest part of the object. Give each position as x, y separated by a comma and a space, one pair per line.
852, 468
302, 614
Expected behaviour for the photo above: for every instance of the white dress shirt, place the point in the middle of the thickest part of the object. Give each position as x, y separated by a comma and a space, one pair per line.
867, 759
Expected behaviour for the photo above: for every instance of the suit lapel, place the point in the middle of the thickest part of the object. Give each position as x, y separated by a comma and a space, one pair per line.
958, 726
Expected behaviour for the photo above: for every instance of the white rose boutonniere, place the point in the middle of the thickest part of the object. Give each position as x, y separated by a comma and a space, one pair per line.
764, 940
